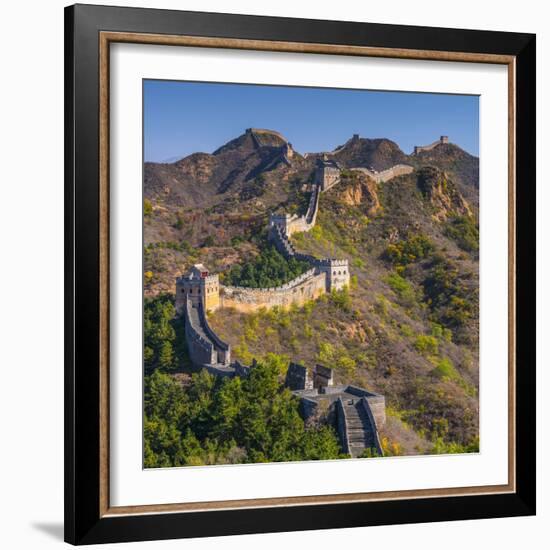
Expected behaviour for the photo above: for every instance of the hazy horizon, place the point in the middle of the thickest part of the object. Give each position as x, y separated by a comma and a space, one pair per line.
181, 118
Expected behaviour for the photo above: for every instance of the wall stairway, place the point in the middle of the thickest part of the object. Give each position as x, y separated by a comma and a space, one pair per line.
361, 433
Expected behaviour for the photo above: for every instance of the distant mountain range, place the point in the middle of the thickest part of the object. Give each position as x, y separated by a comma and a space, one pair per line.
203, 179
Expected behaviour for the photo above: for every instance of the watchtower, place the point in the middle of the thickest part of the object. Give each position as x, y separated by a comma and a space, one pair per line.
297, 378
322, 377
280, 220
200, 287
327, 173
337, 273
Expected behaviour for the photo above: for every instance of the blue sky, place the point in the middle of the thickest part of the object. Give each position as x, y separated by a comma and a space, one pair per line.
181, 118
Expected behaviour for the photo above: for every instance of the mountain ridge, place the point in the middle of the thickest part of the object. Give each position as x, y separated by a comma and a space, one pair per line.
204, 179
408, 325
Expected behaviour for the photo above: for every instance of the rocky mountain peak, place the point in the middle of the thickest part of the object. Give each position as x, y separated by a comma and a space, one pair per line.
378, 154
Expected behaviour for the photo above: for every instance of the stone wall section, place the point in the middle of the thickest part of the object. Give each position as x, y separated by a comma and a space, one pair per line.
374, 423
342, 426
422, 148
385, 175
201, 350
204, 345
223, 350
289, 224
308, 286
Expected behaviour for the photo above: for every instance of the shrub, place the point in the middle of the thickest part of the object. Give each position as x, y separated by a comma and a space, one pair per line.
464, 230
426, 344
370, 452
390, 448
404, 252
381, 305
268, 269
451, 301
336, 357
446, 370
441, 332
441, 447
277, 361
242, 352
147, 207
402, 288
317, 232
341, 299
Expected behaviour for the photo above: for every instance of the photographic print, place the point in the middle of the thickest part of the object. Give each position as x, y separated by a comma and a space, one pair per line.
310, 273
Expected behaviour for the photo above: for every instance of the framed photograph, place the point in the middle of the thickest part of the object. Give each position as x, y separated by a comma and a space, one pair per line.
300, 284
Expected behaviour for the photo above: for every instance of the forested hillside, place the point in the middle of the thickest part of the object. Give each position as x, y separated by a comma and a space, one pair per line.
406, 328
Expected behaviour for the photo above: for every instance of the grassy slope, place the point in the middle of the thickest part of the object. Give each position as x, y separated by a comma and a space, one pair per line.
229, 231
374, 338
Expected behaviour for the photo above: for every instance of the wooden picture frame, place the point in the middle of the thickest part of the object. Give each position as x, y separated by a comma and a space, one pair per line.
89, 32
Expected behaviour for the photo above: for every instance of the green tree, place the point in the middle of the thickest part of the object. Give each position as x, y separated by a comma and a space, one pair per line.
166, 356
268, 269
214, 421
465, 231
164, 336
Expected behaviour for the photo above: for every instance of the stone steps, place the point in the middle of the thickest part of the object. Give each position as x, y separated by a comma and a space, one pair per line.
359, 430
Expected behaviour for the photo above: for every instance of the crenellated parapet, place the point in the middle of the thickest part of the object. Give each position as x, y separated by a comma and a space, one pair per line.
200, 347
356, 413
421, 148
308, 286
327, 173
337, 273
287, 286
199, 286
292, 223
264, 138
278, 236
205, 347
385, 175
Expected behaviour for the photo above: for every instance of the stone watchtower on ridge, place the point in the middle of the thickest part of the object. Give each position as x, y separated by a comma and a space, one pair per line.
200, 287
337, 273
441, 141
327, 173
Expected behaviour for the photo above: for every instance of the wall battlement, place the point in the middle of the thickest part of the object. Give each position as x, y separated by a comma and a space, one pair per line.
199, 291
357, 413
264, 131
306, 287
288, 286
332, 262
292, 223
385, 175
204, 345
422, 148
199, 286
327, 173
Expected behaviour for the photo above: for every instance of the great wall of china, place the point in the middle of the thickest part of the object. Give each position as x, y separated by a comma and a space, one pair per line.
356, 413
421, 148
